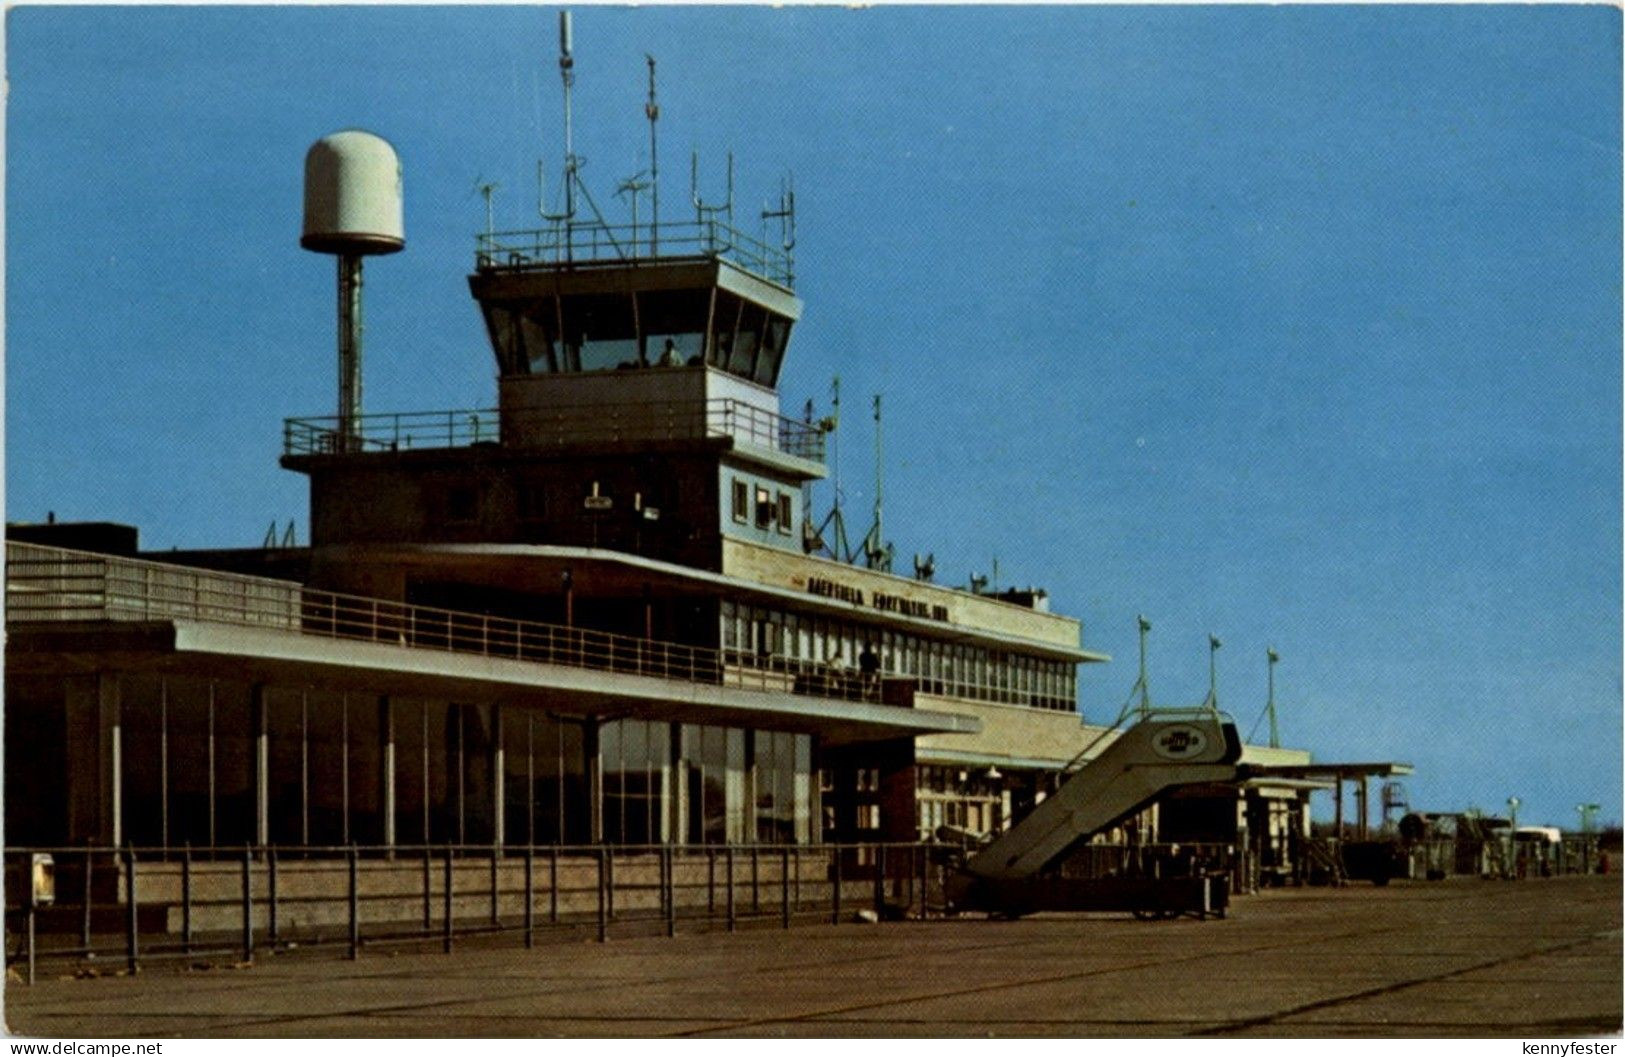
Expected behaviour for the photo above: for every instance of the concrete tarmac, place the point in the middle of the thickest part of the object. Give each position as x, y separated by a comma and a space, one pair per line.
1459, 959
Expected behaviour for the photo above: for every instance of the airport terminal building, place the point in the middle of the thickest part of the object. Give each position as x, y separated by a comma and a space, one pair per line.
599, 613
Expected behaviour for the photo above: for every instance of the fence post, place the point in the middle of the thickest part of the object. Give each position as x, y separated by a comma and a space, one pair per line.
671, 891
784, 887
603, 895
89, 896
355, 904
923, 877
270, 894
710, 883
186, 897
248, 905
428, 895
609, 879
530, 895
131, 940
496, 895
730, 880
835, 890
553, 885
30, 882
880, 881
445, 942
755, 879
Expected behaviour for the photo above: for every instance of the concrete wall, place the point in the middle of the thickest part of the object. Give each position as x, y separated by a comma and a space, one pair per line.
795, 570
1009, 732
490, 496
313, 897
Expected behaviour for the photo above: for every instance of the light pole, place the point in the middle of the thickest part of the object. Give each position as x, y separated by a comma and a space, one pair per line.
1275, 732
1587, 813
1213, 645
1145, 681
1512, 836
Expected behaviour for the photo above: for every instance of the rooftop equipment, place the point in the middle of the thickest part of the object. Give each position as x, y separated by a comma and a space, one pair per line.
352, 210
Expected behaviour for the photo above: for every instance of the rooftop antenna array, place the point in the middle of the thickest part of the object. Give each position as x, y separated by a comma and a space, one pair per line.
704, 212
785, 214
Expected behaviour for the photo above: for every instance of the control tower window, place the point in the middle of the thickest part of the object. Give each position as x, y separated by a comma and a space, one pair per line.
677, 316
741, 500
742, 360
499, 321
524, 339
772, 351
747, 340
599, 333
537, 328
764, 508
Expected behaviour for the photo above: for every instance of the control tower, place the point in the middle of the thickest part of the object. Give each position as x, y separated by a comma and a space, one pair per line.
637, 414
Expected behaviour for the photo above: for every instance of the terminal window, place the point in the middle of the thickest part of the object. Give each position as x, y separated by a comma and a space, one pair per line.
741, 500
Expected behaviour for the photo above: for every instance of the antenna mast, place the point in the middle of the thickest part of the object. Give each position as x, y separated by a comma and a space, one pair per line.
1275, 732
876, 552
1144, 683
567, 73
487, 191
879, 472
1213, 645
652, 110
836, 545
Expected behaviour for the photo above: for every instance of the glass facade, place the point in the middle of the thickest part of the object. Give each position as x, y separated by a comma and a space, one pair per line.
641, 328
636, 766
343, 768
758, 637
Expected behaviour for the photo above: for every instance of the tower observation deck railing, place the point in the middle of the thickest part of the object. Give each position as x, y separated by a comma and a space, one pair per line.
589, 242
560, 426
53, 585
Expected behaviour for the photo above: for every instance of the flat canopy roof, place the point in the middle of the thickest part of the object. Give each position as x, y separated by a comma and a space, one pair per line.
224, 651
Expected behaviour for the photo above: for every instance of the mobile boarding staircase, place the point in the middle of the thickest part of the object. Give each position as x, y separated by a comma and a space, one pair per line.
1017, 873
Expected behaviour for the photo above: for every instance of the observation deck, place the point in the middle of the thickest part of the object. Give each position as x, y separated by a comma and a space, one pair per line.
589, 244
72, 601
553, 428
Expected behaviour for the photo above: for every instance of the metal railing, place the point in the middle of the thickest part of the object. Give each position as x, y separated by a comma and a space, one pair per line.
556, 427
51, 584
592, 242
132, 906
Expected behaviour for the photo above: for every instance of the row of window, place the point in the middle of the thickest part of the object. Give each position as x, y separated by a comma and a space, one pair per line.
759, 637
644, 328
771, 510
188, 746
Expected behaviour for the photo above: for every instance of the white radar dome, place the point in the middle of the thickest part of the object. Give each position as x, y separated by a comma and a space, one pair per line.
352, 195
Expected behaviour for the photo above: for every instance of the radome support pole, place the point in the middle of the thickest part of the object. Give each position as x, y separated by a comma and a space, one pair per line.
349, 351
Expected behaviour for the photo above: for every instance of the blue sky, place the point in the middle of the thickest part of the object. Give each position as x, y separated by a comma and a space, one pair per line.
1300, 326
